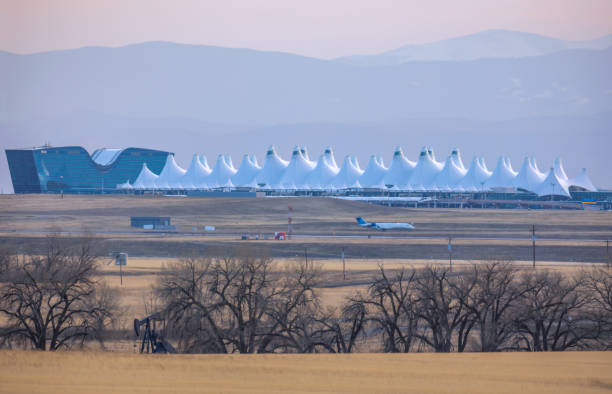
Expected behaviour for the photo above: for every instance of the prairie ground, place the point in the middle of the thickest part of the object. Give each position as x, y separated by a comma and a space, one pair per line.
323, 226
24, 219
96, 372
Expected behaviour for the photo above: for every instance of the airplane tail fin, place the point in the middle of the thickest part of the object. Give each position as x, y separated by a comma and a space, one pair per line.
361, 221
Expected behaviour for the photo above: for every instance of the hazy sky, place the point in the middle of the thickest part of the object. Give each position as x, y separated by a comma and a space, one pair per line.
319, 28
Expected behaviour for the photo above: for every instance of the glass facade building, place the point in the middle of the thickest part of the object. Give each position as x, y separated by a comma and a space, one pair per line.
70, 169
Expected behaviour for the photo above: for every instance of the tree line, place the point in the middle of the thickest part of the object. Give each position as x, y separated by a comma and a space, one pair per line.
243, 302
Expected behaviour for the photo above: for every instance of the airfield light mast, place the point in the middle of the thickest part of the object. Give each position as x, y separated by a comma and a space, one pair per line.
450, 254
608, 253
289, 222
343, 265
533, 239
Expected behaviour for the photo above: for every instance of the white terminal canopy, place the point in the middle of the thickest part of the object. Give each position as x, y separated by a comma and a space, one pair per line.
301, 173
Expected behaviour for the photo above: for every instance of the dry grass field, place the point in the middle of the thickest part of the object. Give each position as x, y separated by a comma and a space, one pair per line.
118, 371
94, 372
23, 217
311, 215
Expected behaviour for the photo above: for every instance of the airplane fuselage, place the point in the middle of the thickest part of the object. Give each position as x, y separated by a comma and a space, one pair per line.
385, 225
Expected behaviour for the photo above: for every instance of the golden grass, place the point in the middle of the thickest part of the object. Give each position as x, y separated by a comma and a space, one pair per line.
94, 372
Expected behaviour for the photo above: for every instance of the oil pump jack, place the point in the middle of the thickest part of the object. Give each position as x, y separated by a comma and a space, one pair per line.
151, 341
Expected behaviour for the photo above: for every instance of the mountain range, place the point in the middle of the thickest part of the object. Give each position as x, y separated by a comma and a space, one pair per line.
489, 44
177, 96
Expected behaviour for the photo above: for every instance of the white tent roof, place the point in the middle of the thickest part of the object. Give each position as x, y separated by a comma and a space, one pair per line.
222, 173
305, 155
450, 175
170, 176
329, 156
456, 156
324, 173
476, 176
528, 177
400, 170
249, 168
195, 177
552, 185
349, 174
374, 174
535, 167
146, 178
297, 171
583, 181
503, 174
272, 170
426, 170
228, 160
204, 163
559, 170
431, 154
125, 186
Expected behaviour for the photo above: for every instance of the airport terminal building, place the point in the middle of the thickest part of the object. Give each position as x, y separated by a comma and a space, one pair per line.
425, 181
70, 169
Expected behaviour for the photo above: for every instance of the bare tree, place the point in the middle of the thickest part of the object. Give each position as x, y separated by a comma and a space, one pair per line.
241, 303
54, 300
439, 292
191, 310
390, 308
491, 301
294, 318
598, 282
347, 327
553, 312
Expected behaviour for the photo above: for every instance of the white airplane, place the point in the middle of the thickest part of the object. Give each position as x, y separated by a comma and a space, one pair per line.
385, 226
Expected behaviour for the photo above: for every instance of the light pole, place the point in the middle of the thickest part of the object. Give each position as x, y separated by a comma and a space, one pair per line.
450, 254
533, 244
343, 266
482, 191
608, 253
553, 191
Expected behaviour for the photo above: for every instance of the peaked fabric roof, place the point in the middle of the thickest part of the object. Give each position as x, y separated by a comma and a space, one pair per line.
247, 172
450, 175
297, 171
528, 177
323, 175
400, 169
582, 180
475, 177
329, 156
272, 171
222, 173
456, 156
402, 175
349, 174
169, 177
204, 163
426, 170
552, 185
195, 177
146, 178
559, 170
374, 174
503, 174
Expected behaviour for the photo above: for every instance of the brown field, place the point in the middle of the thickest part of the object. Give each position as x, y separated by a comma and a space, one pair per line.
23, 217
95, 372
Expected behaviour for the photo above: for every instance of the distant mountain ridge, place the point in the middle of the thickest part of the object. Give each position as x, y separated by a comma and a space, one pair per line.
488, 44
223, 85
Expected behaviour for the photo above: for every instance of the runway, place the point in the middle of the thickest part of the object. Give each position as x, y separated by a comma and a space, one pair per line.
378, 235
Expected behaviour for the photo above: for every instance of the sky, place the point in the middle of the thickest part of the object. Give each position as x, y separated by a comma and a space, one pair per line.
317, 28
